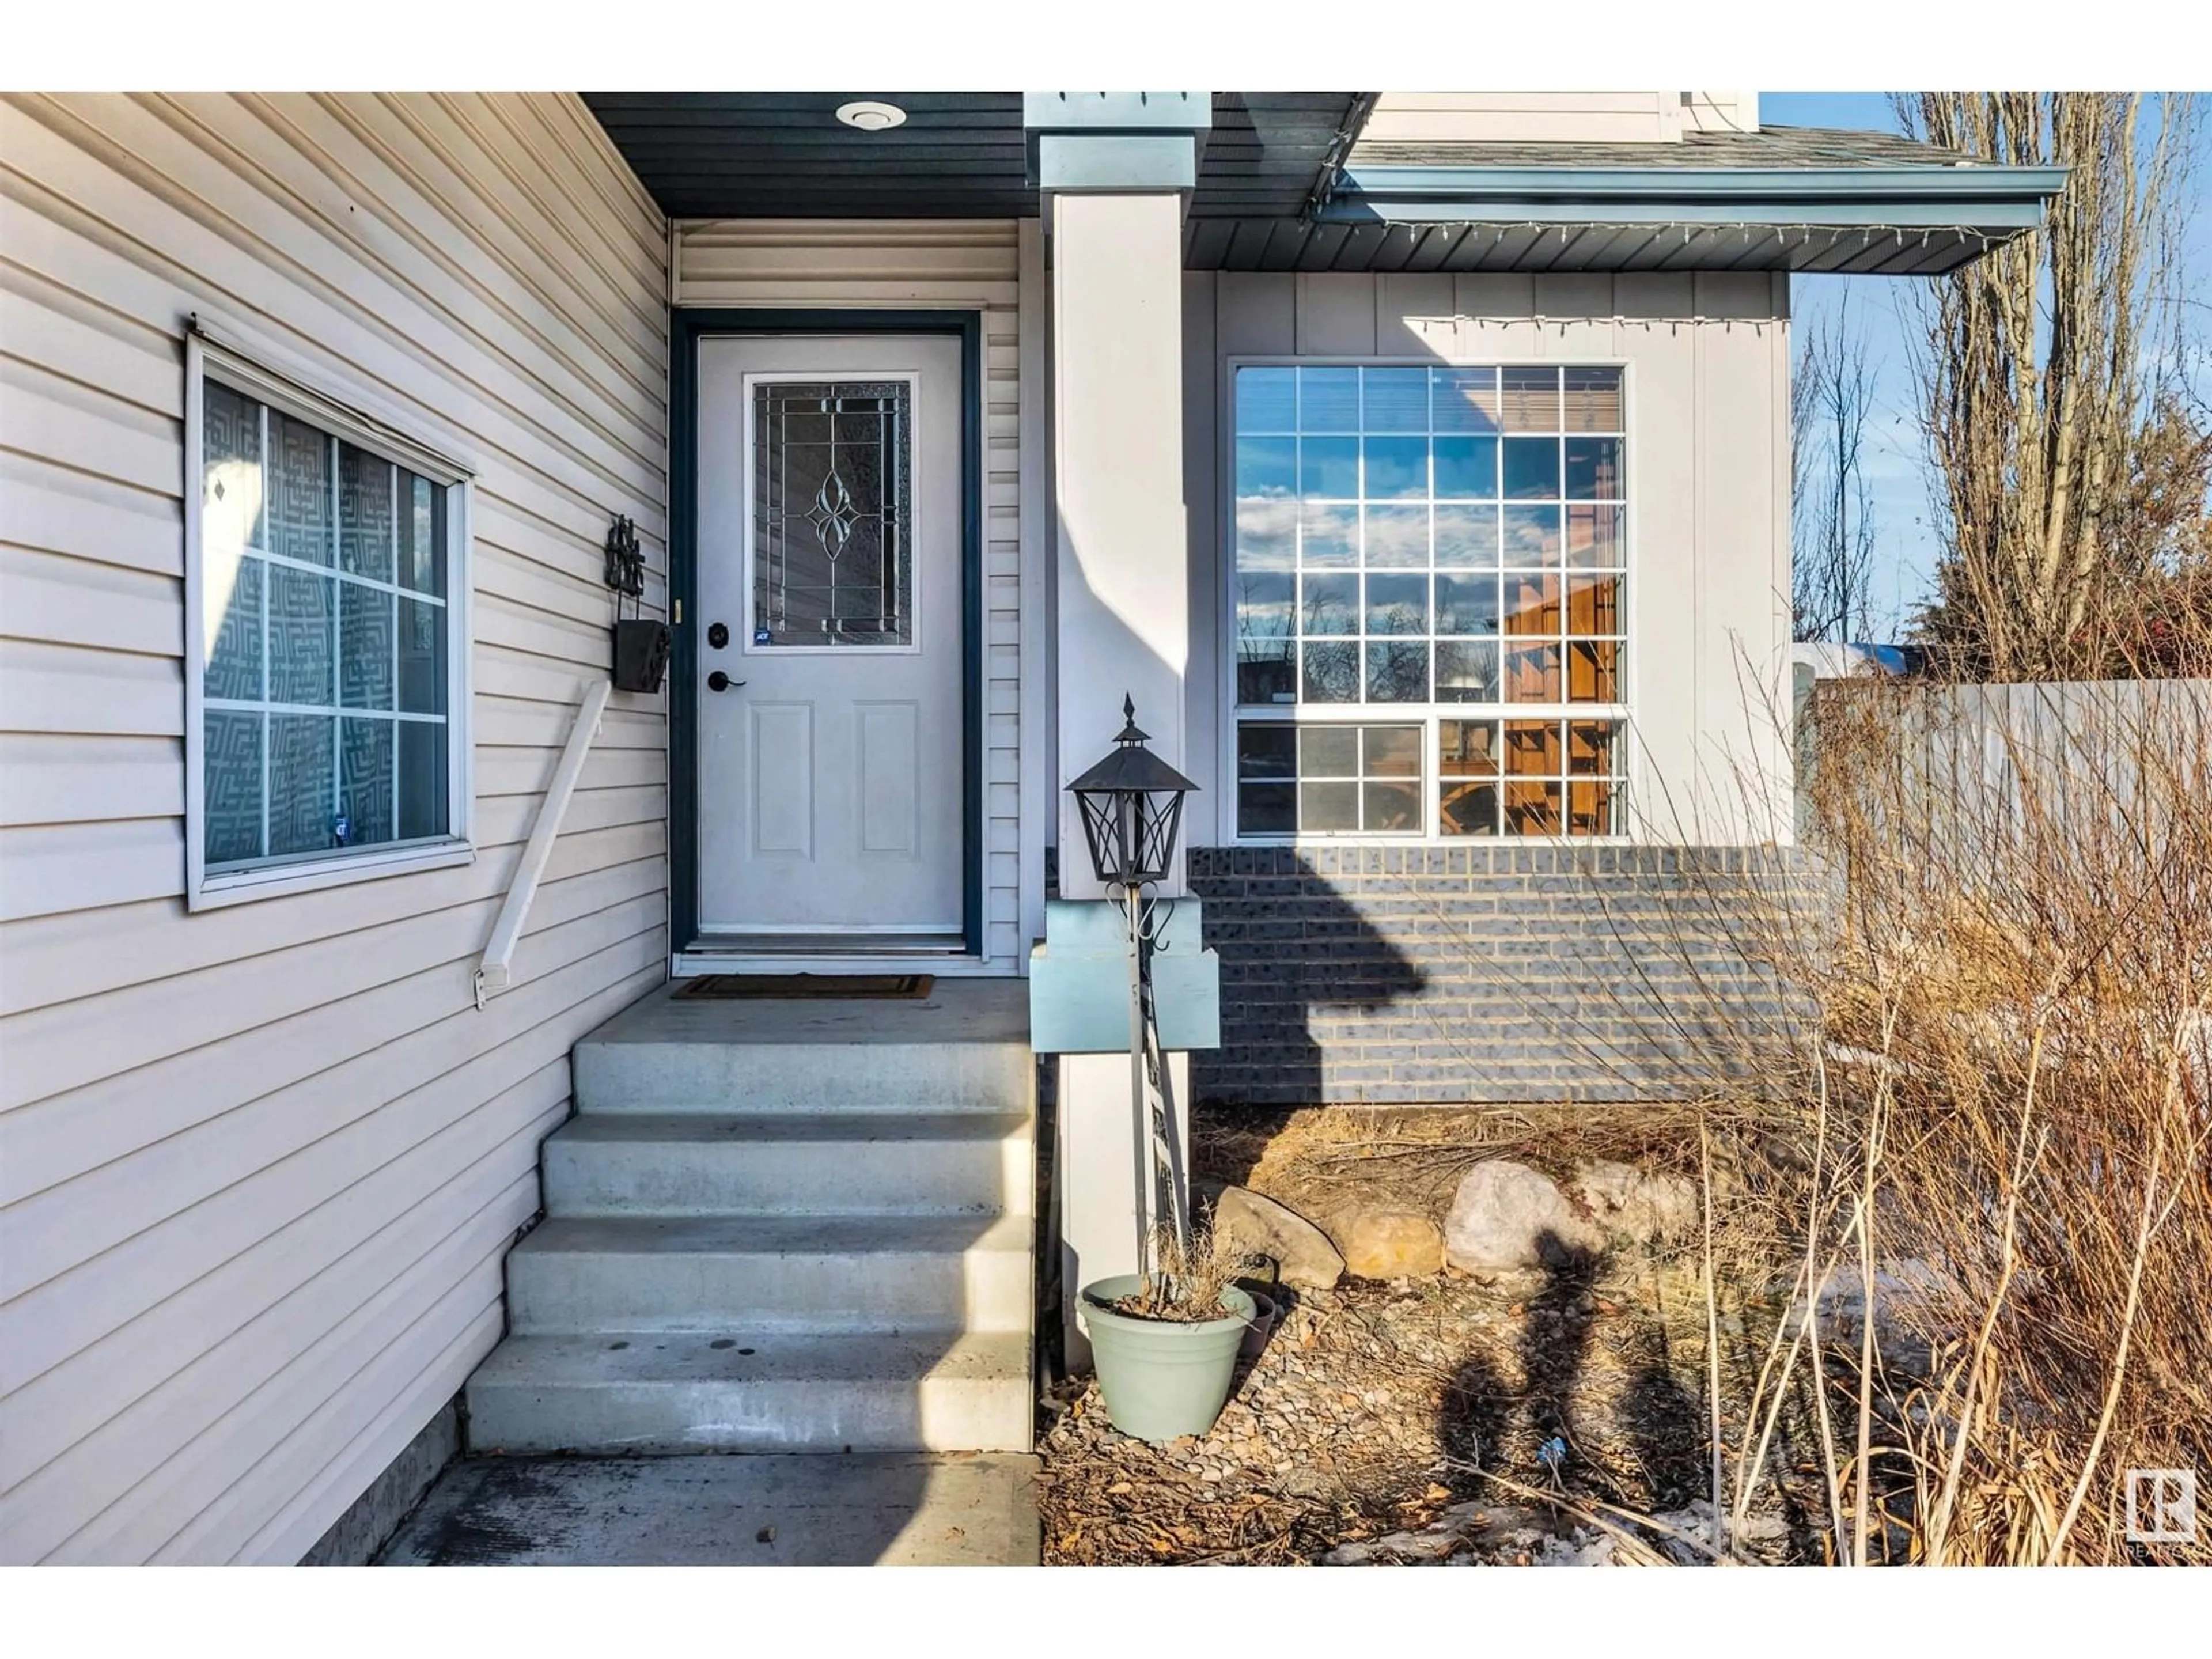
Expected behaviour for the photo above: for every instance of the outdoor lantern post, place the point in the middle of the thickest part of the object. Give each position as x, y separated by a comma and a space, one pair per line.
1132, 808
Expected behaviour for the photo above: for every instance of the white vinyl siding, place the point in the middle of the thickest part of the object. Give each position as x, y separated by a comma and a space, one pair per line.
925, 264
1706, 360
261, 1165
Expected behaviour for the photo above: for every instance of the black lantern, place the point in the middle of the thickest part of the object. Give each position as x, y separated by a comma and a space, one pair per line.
1132, 804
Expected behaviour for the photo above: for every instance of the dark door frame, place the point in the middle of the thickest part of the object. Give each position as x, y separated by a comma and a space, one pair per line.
687, 325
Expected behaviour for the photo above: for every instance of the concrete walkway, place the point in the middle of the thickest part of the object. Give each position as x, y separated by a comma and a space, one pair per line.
893, 1508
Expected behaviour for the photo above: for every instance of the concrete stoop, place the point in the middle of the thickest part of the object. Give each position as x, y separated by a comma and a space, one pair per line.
891, 1508
781, 1227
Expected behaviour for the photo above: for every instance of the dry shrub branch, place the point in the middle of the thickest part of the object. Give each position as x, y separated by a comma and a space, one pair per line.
1996, 1227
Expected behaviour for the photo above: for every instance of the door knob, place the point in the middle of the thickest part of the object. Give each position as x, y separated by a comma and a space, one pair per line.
718, 681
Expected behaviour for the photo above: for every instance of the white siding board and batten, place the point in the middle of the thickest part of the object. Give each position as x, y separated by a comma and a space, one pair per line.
1599, 118
261, 1165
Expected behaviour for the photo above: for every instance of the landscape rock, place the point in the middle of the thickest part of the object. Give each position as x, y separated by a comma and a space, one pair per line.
1644, 1206
1303, 1257
1505, 1216
1391, 1243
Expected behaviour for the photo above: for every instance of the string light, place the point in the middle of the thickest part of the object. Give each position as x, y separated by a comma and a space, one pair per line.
1976, 235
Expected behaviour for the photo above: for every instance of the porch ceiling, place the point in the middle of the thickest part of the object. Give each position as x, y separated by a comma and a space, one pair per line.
959, 155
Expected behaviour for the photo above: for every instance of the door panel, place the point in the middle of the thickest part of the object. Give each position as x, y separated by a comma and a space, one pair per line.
889, 782
782, 793
830, 768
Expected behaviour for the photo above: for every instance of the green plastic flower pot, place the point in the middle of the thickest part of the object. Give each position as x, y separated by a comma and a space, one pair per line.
1264, 1315
1163, 1380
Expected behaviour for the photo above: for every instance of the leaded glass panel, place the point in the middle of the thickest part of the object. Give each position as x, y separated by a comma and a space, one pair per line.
833, 562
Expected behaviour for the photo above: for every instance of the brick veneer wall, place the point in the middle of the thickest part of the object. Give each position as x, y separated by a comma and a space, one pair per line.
1483, 973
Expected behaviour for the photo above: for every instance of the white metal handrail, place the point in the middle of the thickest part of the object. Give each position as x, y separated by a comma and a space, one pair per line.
492, 976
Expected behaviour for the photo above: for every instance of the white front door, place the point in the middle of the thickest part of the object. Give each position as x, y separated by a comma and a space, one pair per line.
831, 747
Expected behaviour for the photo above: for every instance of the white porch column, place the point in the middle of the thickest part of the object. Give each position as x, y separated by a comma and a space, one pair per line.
1124, 619
1117, 170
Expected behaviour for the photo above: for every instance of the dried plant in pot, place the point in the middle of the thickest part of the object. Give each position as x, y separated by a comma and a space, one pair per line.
1166, 1341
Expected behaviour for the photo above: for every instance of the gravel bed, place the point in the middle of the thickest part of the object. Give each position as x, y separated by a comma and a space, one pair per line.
1370, 1427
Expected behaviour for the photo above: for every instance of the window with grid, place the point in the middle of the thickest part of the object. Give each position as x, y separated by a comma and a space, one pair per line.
326, 672
1428, 580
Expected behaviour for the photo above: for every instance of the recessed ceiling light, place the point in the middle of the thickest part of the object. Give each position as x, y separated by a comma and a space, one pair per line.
870, 116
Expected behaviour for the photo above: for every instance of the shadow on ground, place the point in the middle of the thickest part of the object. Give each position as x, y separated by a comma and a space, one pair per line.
821, 1509
1650, 1450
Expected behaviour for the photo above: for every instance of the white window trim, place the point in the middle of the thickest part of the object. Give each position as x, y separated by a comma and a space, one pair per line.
296, 874
1422, 714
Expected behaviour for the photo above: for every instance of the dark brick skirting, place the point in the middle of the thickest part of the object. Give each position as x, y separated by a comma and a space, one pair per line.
1486, 973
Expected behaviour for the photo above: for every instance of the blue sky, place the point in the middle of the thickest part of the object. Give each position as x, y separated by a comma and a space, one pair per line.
1897, 470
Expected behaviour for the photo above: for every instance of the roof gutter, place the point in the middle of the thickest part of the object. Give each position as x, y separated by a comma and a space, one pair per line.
1999, 198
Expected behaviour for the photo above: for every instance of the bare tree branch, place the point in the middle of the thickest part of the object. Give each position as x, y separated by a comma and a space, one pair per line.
1831, 507
2048, 365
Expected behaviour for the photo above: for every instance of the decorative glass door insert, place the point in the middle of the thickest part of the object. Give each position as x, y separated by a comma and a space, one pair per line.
832, 560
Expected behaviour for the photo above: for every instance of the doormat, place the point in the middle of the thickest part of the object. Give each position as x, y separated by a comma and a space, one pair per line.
809, 987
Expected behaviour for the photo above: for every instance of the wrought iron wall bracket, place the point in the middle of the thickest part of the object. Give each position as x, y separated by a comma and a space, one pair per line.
640, 642
625, 559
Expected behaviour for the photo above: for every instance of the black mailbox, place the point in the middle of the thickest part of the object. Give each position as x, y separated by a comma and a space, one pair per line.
641, 654
640, 642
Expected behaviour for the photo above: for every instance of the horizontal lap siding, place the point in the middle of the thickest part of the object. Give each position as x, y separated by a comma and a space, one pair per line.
261, 1165
918, 264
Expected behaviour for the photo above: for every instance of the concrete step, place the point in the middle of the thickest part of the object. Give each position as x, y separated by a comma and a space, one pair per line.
964, 1050
790, 1272
691, 1163
750, 1390
802, 1077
